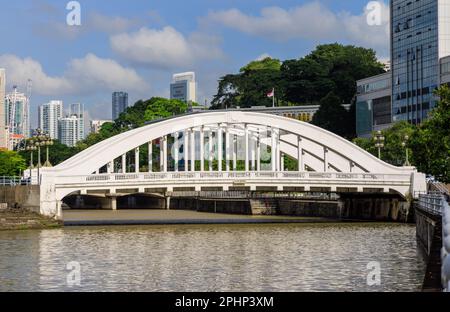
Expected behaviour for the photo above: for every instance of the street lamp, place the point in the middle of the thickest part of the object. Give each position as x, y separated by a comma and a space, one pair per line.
379, 142
404, 144
40, 140
31, 148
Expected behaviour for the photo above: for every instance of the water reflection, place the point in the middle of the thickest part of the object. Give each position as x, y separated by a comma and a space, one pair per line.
331, 257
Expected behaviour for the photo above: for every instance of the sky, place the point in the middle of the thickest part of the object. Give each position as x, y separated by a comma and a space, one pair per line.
136, 46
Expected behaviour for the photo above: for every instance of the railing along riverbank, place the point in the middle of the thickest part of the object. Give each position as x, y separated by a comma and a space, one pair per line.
436, 204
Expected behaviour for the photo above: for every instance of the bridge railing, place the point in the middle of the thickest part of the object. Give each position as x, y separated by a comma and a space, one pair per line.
13, 181
252, 195
436, 204
234, 175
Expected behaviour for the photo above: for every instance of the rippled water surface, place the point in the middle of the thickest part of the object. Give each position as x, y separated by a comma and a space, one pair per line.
327, 257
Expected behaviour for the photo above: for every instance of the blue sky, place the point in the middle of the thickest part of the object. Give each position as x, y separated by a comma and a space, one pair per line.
136, 46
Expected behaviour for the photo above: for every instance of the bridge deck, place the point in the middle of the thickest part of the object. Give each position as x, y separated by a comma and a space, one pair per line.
144, 217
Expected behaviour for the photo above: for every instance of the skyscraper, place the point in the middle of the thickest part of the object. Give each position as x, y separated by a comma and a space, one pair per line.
71, 127
3, 131
17, 112
119, 103
184, 87
420, 37
49, 114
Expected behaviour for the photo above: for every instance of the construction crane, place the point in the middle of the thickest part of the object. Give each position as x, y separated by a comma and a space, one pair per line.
27, 109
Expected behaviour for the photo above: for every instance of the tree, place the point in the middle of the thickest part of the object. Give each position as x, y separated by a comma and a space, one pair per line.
393, 151
250, 86
158, 108
430, 142
332, 116
11, 163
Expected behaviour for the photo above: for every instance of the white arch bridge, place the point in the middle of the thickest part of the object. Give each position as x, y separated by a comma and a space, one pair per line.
224, 150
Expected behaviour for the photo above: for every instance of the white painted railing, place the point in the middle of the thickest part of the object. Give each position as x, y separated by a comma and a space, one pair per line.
445, 252
437, 205
253, 175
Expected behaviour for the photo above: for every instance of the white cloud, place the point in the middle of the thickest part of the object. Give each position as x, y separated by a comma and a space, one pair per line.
310, 21
109, 24
165, 48
87, 75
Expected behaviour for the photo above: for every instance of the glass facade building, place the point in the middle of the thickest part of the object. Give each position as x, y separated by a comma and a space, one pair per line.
119, 103
419, 38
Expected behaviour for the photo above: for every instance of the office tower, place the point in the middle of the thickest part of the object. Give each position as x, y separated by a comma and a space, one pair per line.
17, 112
3, 129
184, 87
119, 103
420, 37
77, 110
49, 114
71, 127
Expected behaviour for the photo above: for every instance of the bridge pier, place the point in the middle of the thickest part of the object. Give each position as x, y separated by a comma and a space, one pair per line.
167, 203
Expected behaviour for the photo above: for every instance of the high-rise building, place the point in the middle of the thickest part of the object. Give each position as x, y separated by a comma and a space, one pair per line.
97, 124
184, 87
17, 112
49, 114
3, 129
77, 109
71, 127
119, 103
420, 37
420, 43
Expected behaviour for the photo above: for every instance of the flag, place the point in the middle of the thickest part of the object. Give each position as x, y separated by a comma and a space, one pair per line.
271, 94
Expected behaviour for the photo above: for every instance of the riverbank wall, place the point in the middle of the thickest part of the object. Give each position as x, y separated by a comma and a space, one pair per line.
25, 197
369, 208
429, 241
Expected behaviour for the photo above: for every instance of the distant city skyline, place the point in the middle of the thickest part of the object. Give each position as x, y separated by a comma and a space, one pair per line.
138, 47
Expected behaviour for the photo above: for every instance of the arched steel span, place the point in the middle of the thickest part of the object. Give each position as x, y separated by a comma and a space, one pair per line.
320, 154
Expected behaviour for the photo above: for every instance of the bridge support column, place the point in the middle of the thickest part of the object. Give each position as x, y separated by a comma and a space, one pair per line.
114, 203
202, 149
301, 165
273, 148
186, 150
253, 152
176, 149
219, 148
282, 162
227, 149
167, 203
246, 146
124, 163
234, 152
150, 157
164, 154
325, 159
258, 152
192, 133
110, 167
210, 150
136, 159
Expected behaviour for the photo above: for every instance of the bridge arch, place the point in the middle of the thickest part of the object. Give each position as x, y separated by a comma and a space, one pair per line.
321, 156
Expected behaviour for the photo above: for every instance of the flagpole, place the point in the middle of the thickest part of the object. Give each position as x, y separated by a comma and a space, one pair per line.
273, 98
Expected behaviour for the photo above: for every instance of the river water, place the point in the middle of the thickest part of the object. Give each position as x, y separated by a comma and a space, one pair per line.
289, 257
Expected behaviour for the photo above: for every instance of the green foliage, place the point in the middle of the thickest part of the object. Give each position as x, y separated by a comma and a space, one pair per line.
158, 108
11, 163
58, 152
431, 140
393, 151
330, 68
334, 117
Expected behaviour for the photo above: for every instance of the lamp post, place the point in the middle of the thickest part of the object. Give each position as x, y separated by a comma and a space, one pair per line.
379, 142
40, 140
31, 148
405, 145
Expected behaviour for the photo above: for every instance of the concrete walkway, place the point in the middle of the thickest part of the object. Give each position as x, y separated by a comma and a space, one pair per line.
143, 217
